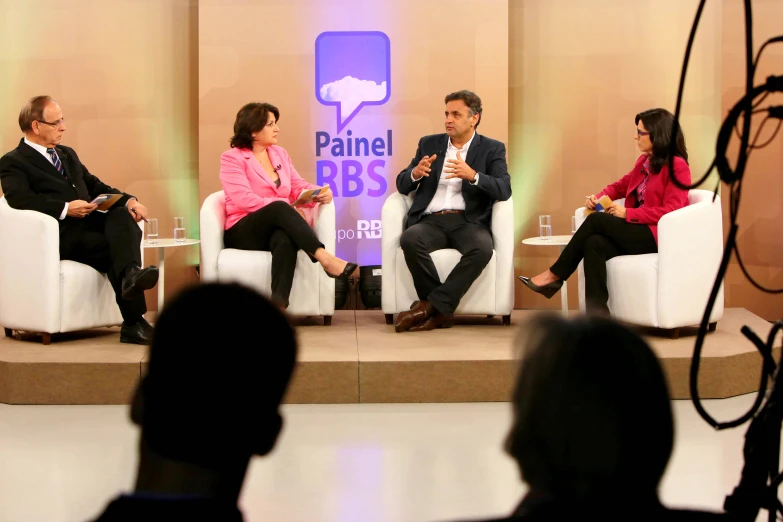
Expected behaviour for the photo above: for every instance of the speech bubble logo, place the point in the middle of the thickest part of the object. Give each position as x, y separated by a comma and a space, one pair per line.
352, 69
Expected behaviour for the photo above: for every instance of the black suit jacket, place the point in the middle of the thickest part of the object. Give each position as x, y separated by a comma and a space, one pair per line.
485, 155
30, 182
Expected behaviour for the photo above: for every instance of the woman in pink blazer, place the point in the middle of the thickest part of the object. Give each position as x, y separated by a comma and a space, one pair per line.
260, 184
631, 229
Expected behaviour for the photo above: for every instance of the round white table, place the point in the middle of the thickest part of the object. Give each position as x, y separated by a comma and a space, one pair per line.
161, 245
558, 241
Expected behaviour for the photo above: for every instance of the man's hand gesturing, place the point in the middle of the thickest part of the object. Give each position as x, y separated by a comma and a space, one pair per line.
423, 168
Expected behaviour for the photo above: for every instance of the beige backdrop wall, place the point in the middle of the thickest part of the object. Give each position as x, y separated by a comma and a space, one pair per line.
579, 72
263, 50
124, 74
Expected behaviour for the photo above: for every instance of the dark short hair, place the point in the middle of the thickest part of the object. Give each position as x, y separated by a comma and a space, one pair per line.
471, 99
220, 362
658, 123
33, 111
251, 118
591, 410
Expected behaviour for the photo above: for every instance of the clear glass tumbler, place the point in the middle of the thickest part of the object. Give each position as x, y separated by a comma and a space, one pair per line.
545, 227
179, 229
152, 231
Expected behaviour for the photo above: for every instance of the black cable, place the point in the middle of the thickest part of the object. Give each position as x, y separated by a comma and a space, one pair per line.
678, 107
775, 133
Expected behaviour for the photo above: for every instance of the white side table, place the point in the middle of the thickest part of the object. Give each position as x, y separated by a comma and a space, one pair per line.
558, 241
161, 245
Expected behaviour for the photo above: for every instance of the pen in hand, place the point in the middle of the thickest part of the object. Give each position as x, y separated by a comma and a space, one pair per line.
142, 217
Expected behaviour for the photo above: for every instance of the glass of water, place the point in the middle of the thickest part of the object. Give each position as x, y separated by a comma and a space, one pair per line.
545, 227
152, 231
179, 229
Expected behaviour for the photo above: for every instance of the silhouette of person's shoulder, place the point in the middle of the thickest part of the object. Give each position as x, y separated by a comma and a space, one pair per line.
140, 506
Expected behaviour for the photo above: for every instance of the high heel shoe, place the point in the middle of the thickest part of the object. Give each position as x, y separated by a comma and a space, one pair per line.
347, 271
547, 290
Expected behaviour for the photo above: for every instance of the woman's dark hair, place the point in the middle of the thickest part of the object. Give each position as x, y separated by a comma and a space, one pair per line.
251, 118
591, 411
658, 123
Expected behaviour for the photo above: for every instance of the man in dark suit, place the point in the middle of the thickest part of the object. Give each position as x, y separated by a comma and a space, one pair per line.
42, 175
204, 413
457, 177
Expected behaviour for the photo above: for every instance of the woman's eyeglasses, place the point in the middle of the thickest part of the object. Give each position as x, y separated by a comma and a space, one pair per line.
640, 133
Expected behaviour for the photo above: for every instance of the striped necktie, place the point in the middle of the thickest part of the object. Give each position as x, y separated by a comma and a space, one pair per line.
56, 161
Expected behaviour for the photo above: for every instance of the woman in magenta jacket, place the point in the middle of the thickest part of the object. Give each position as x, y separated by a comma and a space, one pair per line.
629, 229
260, 184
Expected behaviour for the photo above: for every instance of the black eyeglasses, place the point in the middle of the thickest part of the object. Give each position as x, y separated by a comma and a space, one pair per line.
54, 124
640, 133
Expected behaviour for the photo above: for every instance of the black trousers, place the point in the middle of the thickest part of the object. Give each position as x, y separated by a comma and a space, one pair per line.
600, 238
109, 243
436, 232
276, 228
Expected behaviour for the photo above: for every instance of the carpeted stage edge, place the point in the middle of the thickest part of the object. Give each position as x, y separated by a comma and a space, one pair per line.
361, 359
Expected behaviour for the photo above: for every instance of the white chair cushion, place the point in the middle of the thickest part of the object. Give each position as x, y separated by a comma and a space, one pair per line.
254, 269
633, 288
87, 298
480, 298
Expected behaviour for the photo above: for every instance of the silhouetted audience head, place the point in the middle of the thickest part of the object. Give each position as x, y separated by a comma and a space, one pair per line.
219, 365
592, 417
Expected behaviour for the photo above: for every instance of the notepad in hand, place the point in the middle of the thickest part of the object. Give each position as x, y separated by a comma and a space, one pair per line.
307, 196
601, 205
105, 201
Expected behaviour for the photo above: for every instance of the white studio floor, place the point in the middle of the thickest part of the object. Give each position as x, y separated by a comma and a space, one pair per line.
347, 463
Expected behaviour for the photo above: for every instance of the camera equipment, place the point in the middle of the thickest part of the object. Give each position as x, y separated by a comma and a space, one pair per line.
760, 475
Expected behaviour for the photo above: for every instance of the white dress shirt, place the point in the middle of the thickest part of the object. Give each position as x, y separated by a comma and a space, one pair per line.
448, 196
42, 150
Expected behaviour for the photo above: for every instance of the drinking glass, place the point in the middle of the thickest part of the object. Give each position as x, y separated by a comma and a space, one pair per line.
545, 227
152, 231
179, 229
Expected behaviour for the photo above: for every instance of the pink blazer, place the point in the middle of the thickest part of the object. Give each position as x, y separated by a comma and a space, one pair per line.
662, 195
248, 187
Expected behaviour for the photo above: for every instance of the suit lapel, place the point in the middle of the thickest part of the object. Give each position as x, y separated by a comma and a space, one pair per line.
473, 150
257, 168
42, 163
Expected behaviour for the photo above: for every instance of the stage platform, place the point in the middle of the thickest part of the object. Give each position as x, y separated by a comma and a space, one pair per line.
361, 359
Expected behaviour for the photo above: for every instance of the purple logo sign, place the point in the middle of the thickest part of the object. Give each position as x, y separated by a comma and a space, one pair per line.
352, 69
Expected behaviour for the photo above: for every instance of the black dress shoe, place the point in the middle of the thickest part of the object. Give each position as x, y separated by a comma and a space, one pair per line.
547, 290
139, 333
347, 271
137, 280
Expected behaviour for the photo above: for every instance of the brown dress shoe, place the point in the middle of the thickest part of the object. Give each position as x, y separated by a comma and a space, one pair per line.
436, 321
420, 312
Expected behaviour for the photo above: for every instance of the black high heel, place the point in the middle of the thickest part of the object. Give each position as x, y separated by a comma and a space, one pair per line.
347, 271
547, 290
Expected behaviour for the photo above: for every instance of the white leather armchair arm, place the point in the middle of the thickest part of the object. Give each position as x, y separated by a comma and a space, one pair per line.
325, 228
212, 222
690, 247
393, 215
503, 240
29, 269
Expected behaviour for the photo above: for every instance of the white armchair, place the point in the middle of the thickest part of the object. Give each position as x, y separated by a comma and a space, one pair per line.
669, 289
312, 292
491, 294
39, 292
